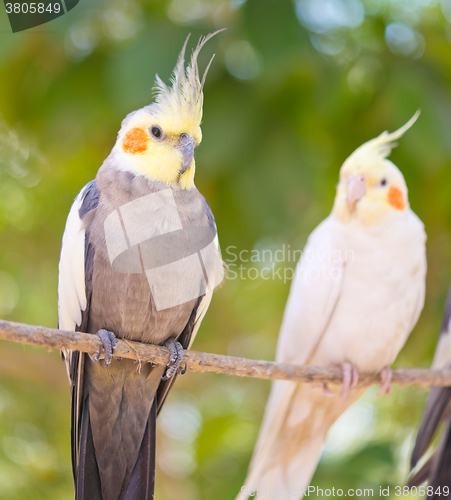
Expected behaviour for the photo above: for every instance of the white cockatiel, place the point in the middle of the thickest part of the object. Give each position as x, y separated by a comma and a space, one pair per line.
357, 293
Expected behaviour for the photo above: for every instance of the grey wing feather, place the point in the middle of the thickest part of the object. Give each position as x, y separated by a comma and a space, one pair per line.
87, 482
447, 315
186, 338
210, 216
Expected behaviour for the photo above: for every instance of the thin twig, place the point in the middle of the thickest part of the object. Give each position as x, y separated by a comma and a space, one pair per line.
205, 362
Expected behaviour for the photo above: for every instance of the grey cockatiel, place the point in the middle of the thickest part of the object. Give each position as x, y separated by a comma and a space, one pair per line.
437, 469
357, 293
139, 261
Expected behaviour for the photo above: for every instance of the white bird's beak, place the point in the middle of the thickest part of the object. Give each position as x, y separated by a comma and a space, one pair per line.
356, 190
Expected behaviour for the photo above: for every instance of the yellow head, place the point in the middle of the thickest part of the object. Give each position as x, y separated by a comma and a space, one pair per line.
372, 187
158, 141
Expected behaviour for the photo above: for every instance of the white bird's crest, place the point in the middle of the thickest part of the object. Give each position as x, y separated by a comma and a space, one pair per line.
380, 147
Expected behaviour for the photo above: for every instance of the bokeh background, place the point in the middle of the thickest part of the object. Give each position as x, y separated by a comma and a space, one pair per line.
295, 87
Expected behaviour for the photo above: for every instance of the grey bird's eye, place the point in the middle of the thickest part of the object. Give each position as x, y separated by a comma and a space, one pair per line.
156, 132
383, 182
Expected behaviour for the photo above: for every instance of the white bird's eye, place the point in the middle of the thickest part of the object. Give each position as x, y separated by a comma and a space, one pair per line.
156, 132
383, 182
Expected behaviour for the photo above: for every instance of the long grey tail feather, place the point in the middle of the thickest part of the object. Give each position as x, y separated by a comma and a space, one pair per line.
422, 475
142, 483
88, 479
437, 470
440, 475
437, 409
73, 434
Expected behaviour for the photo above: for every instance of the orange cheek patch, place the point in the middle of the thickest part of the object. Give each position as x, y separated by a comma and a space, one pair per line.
135, 141
396, 199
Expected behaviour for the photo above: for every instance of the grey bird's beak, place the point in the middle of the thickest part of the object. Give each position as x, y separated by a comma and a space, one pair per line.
186, 147
356, 190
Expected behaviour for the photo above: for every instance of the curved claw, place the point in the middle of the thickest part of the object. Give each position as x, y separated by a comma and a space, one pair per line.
350, 378
176, 353
109, 343
327, 391
386, 376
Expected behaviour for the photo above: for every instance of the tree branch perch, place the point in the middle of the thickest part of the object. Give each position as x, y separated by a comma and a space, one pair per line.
205, 362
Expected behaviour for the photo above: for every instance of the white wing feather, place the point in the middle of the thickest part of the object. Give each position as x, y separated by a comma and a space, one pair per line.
71, 283
313, 296
204, 304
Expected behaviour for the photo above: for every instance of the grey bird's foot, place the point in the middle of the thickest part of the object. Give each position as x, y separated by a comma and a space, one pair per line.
176, 353
109, 343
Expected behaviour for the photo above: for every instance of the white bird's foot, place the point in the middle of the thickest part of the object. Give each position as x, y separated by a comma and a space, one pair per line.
350, 378
386, 376
176, 353
109, 343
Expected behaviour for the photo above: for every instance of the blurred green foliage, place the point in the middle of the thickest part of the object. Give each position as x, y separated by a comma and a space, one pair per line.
295, 87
